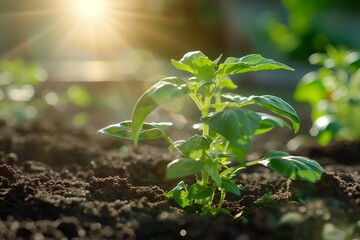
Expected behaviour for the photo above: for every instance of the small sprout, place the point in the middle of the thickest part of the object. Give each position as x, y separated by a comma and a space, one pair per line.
227, 129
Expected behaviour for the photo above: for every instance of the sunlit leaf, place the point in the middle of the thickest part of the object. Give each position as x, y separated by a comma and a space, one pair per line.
293, 167
162, 92
249, 63
228, 84
198, 64
185, 63
183, 167
240, 100
195, 146
124, 130
203, 68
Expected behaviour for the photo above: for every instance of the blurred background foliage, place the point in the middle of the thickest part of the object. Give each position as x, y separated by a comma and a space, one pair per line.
71, 57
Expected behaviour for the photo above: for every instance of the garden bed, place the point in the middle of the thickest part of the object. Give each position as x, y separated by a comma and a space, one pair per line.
66, 182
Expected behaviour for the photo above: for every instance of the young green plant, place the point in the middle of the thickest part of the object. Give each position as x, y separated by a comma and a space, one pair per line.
333, 91
217, 154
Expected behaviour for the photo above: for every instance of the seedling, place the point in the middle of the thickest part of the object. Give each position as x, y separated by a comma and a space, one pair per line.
217, 154
333, 92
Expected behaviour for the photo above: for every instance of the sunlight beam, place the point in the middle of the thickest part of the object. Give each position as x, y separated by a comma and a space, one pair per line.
90, 9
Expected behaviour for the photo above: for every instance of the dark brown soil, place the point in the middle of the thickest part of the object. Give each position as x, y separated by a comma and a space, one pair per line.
62, 183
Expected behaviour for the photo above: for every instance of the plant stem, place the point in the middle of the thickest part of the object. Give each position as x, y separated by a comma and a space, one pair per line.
206, 131
172, 143
252, 163
205, 113
197, 102
222, 198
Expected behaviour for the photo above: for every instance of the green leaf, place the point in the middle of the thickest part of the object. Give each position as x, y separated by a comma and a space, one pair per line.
240, 152
216, 61
185, 63
203, 68
194, 147
277, 105
293, 167
162, 92
181, 66
268, 122
124, 130
198, 64
231, 172
325, 128
211, 167
310, 89
183, 167
198, 191
237, 125
228, 84
180, 186
272, 103
230, 186
240, 100
79, 96
191, 57
180, 194
249, 63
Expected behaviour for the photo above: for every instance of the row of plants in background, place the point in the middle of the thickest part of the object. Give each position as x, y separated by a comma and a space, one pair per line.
218, 152
19, 82
333, 92
23, 96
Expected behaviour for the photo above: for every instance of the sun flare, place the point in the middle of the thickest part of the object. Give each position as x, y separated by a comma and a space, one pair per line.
89, 9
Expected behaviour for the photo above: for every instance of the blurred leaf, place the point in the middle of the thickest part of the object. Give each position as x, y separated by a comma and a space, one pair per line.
310, 89
79, 96
325, 128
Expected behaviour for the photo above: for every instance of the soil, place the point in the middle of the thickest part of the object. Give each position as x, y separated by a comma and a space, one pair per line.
68, 183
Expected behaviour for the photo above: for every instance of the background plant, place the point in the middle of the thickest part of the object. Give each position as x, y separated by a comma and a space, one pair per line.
27, 95
217, 154
333, 92
19, 82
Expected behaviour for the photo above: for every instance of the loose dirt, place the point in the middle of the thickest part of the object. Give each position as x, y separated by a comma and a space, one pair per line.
67, 183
